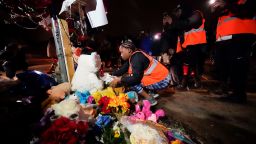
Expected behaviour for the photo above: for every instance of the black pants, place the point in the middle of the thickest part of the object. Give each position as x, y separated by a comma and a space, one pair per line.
176, 63
232, 62
195, 58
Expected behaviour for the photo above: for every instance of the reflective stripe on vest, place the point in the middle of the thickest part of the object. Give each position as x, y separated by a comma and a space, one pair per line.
195, 36
155, 72
152, 64
228, 25
151, 68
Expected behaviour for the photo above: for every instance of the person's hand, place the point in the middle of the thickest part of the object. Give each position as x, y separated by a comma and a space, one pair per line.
115, 81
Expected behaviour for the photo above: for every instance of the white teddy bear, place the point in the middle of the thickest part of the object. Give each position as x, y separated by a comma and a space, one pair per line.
85, 77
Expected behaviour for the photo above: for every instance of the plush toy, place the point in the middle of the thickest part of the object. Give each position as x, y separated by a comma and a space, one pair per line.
56, 94
85, 77
67, 108
133, 96
80, 97
71, 108
146, 113
88, 110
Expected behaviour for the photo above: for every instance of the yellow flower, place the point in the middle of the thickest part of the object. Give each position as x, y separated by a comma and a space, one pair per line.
109, 92
96, 95
123, 96
119, 90
119, 102
113, 102
116, 134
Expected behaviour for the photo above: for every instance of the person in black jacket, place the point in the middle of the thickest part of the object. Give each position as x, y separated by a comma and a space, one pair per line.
182, 20
143, 70
235, 36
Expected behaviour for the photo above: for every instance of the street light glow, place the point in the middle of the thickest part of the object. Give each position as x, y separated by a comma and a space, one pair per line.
157, 36
212, 2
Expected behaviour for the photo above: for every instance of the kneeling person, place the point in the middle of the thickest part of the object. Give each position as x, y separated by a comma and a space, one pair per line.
144, 72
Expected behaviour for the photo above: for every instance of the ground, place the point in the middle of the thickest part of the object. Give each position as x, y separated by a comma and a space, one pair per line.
200, 113
212, 121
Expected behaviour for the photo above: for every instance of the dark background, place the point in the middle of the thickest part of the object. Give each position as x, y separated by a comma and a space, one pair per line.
124, 17
131, 16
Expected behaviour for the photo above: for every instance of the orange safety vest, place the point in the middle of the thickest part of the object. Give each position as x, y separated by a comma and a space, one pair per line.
192, 37
195, 36
229, 25
155, 72
179, 48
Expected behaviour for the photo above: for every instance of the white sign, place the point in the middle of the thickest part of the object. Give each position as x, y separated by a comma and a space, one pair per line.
98, 17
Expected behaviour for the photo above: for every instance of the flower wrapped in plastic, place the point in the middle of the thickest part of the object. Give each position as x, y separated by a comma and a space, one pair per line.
119, 104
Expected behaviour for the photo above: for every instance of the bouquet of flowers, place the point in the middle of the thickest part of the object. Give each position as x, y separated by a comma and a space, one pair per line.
119, 105
64, 130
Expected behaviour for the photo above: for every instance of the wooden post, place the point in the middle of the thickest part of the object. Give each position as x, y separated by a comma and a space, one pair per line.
63, 49
67, 49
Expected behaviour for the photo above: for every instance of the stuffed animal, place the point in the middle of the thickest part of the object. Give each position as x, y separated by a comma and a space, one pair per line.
146, 113
68, 108
85, 77
56, 94
80, 97
133, 96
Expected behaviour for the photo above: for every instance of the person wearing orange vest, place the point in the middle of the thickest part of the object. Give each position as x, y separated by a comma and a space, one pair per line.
190, 50
235, 35
184, 19
194, 44
143, 72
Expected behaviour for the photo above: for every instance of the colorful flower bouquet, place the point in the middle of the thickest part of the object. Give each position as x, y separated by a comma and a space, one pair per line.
119, 105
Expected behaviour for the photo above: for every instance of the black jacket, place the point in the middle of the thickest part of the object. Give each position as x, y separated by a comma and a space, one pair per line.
139, 63
177, 28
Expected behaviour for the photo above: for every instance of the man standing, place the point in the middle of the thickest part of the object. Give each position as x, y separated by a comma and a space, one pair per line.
235, 35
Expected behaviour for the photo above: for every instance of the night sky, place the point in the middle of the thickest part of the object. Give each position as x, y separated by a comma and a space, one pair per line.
124, 17
131, 16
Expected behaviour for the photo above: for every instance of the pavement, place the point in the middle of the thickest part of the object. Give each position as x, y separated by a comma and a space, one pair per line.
209, 120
